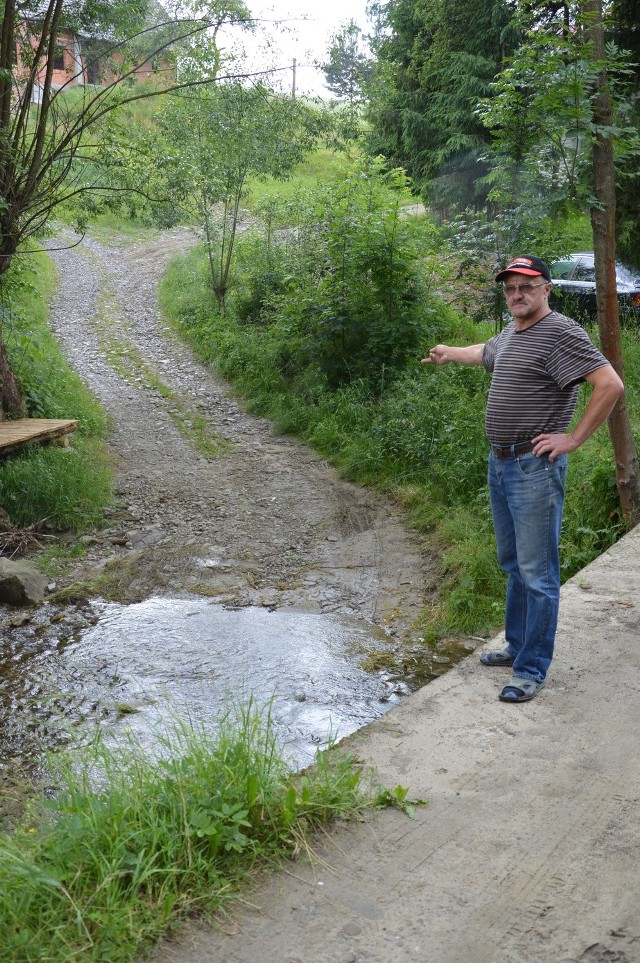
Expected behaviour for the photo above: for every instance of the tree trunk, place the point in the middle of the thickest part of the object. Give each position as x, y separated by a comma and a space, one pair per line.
11, 402
603, 218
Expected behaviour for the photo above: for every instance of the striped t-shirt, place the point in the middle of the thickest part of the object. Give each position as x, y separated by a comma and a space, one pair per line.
535, 377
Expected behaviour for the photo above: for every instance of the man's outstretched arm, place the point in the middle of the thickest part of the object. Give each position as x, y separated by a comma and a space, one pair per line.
445, 354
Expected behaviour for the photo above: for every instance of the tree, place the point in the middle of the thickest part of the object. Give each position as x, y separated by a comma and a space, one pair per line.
603, 220
44, 127
348, 67
625, 17
435, 59
212, 140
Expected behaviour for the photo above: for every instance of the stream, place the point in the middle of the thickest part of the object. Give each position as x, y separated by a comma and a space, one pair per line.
266, 578
133, 670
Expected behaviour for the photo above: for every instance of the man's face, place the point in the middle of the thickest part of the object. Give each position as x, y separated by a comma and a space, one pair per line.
526, 296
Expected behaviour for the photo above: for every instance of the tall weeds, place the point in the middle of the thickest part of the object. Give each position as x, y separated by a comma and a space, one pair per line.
130, 843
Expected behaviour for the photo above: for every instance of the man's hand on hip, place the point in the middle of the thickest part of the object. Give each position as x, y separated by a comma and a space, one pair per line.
553, 445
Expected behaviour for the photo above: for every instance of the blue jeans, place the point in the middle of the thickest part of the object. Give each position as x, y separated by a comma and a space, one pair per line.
527, 498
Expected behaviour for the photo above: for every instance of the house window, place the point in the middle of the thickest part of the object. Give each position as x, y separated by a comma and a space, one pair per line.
93, 71
58, 57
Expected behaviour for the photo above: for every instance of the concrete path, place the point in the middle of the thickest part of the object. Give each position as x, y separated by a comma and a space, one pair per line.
529, 849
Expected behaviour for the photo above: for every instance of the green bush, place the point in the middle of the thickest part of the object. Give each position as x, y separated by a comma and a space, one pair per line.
342, 271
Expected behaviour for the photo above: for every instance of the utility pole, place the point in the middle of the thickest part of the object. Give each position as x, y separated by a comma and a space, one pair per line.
293, 86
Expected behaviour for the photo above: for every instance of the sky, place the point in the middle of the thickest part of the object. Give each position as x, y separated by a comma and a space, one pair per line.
304, 35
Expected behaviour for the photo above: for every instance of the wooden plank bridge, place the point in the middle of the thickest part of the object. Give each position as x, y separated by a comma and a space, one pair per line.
26, 431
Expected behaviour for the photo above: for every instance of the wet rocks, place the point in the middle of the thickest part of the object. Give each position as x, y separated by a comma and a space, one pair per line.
21, 583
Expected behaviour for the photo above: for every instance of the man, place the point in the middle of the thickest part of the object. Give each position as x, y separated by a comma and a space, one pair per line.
536, 362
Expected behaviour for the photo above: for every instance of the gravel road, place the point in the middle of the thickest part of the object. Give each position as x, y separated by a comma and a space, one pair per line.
259, 519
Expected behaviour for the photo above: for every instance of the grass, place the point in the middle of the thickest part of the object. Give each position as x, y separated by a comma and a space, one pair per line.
107, 227
51, 388
69, 487
306, 176
129, 844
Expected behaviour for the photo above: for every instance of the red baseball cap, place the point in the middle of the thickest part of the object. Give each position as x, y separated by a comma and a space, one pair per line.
528, 264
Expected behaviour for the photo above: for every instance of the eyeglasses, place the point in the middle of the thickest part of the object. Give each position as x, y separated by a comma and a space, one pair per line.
525, 288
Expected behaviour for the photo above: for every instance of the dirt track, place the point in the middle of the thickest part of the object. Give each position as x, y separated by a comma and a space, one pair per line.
274, 523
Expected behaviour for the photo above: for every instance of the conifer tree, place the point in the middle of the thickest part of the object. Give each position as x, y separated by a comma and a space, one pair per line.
347, 67
435, 60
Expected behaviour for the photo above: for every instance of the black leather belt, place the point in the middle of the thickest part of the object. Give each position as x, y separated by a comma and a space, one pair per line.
512, 451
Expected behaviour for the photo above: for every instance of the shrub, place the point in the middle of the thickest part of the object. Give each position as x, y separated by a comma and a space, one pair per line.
344, 275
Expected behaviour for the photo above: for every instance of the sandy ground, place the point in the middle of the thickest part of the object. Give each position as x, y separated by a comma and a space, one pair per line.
529, 849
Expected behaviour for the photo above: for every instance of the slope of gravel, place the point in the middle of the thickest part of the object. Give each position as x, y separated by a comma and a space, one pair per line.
262, 520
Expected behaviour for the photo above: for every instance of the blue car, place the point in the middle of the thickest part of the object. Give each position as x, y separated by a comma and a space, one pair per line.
574, 289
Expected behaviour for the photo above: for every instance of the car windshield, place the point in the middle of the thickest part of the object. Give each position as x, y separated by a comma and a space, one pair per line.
626, 276
581, 268
585, 271
562, 269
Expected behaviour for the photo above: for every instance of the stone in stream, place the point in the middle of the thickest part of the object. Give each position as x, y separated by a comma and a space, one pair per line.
21, 583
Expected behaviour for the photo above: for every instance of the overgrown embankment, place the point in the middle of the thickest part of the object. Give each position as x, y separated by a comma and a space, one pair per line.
66, 488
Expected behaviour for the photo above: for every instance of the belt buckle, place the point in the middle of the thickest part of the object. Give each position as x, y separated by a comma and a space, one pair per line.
512, 451
524, 446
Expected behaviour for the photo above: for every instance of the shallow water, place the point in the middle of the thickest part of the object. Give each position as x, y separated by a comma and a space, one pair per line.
141, 666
